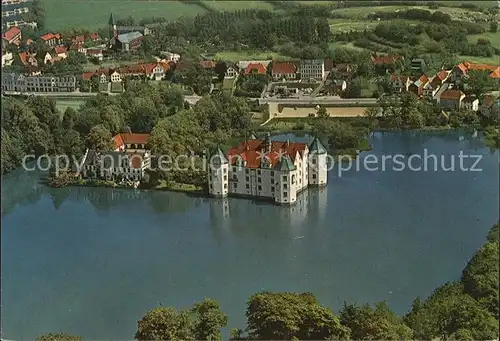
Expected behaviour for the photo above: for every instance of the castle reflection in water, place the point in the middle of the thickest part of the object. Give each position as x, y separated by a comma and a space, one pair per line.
228, 211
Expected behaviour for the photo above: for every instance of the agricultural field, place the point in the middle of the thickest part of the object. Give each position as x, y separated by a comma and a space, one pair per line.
233, 56
222, 5
93, 14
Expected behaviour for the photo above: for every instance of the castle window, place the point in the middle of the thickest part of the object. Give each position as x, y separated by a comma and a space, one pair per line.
235, 178
272, 181
225, 186
235, 186
225, 177
259, 180
272, 189
258, 172
260, 188
285, 186
285, 177
247, 178
272, 173
247, 186
225, 170
313, 161
234, 169
314, 176
246, 171
285, 194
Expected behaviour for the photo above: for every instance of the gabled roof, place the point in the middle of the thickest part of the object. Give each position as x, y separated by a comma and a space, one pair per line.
422, 81
495, 73
60, 49
76, 46
316, 147
129, 37
94, 35
79, 39
255, 66
130, 138
452, 94
284, 68
11, 33
253, 151
50, 36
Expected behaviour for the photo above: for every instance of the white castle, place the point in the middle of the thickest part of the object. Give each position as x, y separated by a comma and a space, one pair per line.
268, 169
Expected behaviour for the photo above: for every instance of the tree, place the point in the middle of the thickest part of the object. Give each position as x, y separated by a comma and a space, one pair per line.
478, 82
447, 311
100, 139
165, 324
322, 113
379, 323
494, 26
209, 320
480, 277
285, 316
58, 337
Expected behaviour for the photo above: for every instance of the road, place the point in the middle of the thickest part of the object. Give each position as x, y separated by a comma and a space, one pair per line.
77, 94
193, 99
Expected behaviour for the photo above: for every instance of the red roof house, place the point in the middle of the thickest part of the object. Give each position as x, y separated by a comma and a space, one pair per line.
257, 68
284, 69
125, 141
12, 36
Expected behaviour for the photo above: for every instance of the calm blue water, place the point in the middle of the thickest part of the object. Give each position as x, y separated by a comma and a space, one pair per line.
92, 261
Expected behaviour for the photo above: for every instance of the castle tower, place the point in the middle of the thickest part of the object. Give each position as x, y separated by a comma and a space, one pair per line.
113, 30
318, 174
218, 174
285, 182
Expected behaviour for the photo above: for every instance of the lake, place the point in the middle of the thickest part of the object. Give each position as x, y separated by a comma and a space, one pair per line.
91, 261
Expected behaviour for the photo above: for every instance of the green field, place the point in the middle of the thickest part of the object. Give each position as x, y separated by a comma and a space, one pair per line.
248, 55
494, 38
495, 60
62, 104
346, 25
93, 14
220, 5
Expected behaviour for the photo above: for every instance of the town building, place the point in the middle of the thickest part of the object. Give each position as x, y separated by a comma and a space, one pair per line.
12, 36
435, 83
7, 58
51, 39
128, 41
470, 103
399, 83
460, 71
242, 64
170, 56
28, 59
339, 85
488, 106
341, 71
417, 65
231, 70
451, 99
20, 83
312, 69
418, 86
255, 68
284, 70
129, 161
275, 170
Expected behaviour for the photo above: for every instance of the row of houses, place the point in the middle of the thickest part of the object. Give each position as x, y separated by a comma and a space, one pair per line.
443, 87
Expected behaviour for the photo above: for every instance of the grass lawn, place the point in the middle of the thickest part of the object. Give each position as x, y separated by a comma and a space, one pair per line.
346, 46
248, 55
222, 5
62, 104
494, 38
495, 60
93, 14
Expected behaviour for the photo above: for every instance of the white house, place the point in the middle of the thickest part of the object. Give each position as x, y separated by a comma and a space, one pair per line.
171, 57
312, 69
268, 169
470, 103
231, 72
399, 83
7, 58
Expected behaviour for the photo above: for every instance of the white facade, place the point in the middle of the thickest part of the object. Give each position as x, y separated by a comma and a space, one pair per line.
231, 72
7, 59
280, 183
312, 69
470, 105
20, 83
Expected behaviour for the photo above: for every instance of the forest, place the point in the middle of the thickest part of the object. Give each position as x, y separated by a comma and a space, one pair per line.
465, 309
